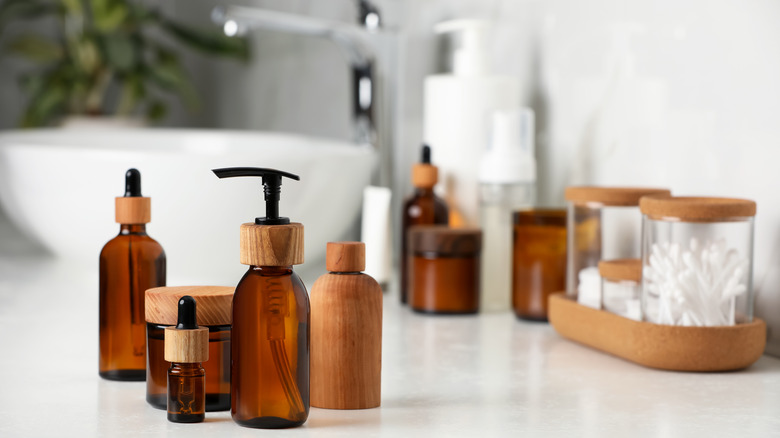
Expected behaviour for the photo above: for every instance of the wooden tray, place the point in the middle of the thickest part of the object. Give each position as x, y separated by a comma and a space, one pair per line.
665, 347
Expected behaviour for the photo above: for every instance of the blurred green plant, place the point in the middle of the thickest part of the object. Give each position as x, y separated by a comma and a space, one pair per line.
110, 58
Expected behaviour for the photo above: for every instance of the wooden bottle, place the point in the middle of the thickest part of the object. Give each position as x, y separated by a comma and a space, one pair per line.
130, 263
346, 332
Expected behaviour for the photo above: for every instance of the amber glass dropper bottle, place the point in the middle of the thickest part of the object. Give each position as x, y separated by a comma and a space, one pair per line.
186, 348
130, 263
422, 208
271, 314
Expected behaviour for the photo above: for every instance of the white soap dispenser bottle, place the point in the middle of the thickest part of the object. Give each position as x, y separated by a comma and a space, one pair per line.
456, 115
507, 184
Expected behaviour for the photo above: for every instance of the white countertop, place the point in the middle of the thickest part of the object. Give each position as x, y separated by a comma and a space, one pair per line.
489, 375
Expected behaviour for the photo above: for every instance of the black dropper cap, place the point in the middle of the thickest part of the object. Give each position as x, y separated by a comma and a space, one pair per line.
426, 154
132, 183
272, 188
187, 314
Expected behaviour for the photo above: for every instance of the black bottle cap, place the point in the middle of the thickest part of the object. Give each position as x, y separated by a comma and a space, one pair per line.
187, 314
272, 189
426, 154
132, 183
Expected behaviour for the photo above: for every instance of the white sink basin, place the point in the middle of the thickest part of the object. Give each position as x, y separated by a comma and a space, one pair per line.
59, 186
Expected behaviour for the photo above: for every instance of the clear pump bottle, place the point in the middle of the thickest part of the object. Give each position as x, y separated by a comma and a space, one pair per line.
130, 263
271, 315
507, 184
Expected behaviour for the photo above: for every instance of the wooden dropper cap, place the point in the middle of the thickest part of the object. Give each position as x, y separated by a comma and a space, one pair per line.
132, 208
424, 174
345, 257
186, 342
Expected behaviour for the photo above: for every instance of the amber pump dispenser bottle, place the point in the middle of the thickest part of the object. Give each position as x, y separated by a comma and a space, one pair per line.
270, 338
130, 263
346, 332
422, 208
186, 348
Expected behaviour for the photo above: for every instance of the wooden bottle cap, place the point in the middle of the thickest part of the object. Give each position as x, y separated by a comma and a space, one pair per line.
345, 257
425, 176
621, 270
271, 245
133, 210
215, 304
697, 209
186, 346
442, 240
612, 196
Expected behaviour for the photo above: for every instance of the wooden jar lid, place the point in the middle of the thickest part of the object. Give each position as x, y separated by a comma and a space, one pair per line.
186, 346
442, 240
621, 270
133, 210
425, 176
215, 304
697, 208
612, 196
345, 257
271, 245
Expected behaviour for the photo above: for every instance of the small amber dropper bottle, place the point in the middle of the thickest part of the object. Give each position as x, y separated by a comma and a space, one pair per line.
186, 348
422, 208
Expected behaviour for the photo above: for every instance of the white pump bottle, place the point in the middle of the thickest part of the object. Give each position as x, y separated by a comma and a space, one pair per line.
507, 184
457, 109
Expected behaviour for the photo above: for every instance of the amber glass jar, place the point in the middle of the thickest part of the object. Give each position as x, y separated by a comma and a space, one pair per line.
538, 260
129, 264
214, 313
444, 266
270, 351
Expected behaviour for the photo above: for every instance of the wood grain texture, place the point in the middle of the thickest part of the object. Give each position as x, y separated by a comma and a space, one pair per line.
186, 346
664, 347
612, 196
345, 257
272, 245
215, 304
424, 176
346, 342
133, 210
697, 209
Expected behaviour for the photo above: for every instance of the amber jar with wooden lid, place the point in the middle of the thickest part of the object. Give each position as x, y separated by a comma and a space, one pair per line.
621, 287
538, 260
444, 269
214, 313
603, 223
346, 332
697, 260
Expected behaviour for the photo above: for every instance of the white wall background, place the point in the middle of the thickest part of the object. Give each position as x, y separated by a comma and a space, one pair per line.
700, 113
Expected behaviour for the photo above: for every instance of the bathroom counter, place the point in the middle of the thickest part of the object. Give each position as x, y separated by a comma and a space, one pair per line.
487, 375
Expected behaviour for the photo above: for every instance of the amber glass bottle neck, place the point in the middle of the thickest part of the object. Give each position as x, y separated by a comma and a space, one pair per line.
423, 191
194, 366
272, 270
132, 229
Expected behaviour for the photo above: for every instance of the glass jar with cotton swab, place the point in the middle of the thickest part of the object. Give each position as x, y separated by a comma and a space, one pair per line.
697, 258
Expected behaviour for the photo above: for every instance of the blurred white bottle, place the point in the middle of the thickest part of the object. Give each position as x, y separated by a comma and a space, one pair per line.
507, 184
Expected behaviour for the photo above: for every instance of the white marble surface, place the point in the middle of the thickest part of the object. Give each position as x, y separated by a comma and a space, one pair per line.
490, 375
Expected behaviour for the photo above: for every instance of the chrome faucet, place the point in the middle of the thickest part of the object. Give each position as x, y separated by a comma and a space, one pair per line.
352, 39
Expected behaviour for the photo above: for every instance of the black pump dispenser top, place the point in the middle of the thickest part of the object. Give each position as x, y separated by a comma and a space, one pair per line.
132, 183
426, 154
272, 189
187, 314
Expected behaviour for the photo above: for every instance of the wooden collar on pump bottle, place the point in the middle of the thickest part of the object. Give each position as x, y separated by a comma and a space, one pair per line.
272, 245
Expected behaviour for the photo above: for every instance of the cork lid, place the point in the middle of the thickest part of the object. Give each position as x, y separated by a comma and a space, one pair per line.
345, 257
612, 196
215, 304
621, 270
186, 342
271, 245
445, 241
697, 209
